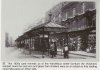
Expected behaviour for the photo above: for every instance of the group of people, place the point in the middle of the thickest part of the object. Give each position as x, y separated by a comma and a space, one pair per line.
53, 50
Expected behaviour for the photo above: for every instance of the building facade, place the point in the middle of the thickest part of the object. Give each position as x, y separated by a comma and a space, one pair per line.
73, 23
80, 20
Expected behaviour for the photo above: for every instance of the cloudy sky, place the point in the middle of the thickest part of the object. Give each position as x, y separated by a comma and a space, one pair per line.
17, 15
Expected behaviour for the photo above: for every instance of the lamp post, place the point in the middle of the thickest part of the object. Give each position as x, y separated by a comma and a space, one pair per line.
62, 47
50, 16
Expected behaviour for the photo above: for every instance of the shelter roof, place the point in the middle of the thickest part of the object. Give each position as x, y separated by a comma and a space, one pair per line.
50, 24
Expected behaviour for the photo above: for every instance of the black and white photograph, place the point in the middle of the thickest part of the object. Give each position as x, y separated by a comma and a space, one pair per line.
48, 29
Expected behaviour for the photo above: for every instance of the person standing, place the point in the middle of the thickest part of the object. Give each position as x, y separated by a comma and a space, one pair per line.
52, 50
55, 49
65, 51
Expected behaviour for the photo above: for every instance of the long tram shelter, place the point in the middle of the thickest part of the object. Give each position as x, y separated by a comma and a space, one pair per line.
40, 37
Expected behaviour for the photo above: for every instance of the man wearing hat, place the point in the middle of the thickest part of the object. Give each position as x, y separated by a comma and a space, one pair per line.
65, 51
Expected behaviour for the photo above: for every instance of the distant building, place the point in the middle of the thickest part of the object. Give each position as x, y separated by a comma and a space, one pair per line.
7, 40
11, 42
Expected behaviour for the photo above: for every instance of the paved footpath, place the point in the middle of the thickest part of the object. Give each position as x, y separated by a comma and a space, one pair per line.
72, 55
13, 53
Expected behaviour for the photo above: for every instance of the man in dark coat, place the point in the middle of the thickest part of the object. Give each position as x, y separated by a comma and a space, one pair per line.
52, 49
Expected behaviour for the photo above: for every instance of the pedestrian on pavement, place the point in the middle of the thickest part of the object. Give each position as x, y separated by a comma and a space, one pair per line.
52, 50
65, 51
55, 49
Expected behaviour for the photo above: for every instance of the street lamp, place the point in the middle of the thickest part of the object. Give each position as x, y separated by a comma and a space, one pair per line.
44, 36
41, 36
